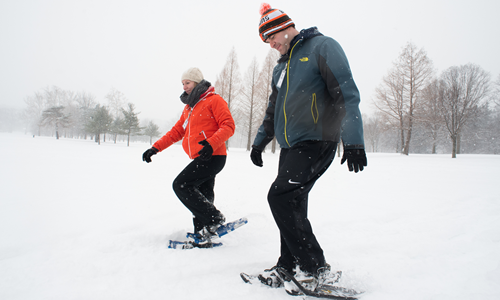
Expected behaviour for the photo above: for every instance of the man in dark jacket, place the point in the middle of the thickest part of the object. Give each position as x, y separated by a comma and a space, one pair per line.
313, 105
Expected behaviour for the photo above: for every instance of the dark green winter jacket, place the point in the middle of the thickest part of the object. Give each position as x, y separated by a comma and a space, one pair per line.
313, 97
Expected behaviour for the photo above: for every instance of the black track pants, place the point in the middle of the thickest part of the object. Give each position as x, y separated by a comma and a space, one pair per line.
194, 186
299, 168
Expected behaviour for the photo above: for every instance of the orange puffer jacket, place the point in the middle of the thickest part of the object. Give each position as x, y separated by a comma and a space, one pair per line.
210, 118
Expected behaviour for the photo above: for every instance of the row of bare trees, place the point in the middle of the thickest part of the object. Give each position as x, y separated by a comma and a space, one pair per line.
54, 111
247, 97
412, 100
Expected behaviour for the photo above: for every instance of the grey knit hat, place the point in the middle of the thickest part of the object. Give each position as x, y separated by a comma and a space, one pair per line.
193, 74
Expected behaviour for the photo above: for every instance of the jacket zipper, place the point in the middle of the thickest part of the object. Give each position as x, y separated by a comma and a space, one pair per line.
314, 109
189, 130
189, 125
286, 94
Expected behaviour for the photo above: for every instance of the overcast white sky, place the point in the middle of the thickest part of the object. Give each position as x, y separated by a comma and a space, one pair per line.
142, 47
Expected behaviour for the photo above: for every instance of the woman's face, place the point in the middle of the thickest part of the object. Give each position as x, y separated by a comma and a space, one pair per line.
188, 85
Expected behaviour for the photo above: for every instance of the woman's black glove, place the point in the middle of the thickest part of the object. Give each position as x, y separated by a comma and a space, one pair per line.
207, 150
147, 155
256, 156
356, 159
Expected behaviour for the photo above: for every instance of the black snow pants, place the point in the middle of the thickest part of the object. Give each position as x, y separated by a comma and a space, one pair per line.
194, 186
299, 168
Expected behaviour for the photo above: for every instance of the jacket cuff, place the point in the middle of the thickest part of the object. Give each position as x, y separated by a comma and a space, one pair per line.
263, 143
354, 146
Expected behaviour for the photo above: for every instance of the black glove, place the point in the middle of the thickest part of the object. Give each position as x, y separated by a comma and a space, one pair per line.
256, 156
147, 155
356, 159
207, 150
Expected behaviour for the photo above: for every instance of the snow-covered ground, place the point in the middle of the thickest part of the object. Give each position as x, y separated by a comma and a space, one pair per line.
82, 221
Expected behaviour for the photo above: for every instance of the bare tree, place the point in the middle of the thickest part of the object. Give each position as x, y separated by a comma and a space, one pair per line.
398, 96
496, 91
228, 81
430, 115
116, 102
85, 104
250, 105
85, 100
495, 126
56, 96
35, 105
373, 128
462, 89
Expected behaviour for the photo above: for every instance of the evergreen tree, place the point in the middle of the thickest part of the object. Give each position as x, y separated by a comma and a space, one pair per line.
117, 128
152, 130
131, 122
55, 116
99, 122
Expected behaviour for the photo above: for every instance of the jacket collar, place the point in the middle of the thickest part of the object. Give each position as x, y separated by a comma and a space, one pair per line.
208, 92
200, 91
303, 35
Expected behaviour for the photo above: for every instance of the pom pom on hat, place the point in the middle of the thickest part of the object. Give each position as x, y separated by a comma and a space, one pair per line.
264, 7
272, 21
193, 74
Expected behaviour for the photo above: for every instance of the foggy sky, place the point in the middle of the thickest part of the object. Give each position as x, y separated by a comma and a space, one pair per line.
142, 47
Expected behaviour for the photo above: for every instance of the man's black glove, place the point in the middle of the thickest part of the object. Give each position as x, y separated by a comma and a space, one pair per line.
256, 156
207, 150
147, 155
356, 159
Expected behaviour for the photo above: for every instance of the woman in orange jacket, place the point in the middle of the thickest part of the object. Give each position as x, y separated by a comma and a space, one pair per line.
204, 127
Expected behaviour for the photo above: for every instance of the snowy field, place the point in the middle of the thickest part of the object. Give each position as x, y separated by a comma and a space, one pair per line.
82, 221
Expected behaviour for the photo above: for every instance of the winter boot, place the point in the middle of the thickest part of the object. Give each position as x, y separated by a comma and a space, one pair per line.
305, 279
325, 275
271, 277
207, 233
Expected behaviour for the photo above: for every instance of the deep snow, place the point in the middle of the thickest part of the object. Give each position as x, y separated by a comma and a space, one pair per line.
82, 221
